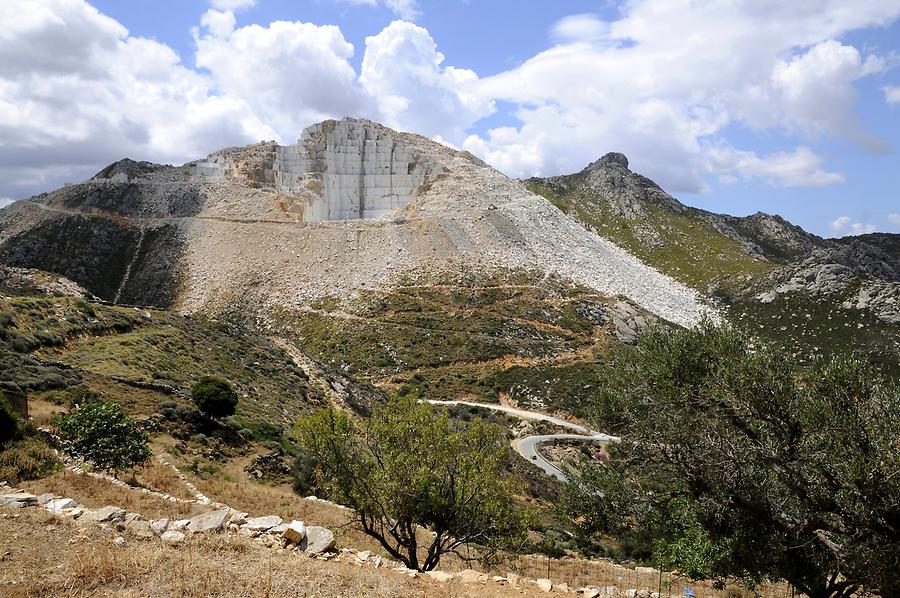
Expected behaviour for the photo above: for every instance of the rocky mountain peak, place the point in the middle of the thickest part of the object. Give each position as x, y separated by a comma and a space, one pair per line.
610, 159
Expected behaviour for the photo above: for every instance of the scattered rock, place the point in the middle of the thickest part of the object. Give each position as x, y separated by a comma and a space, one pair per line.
544, 584
211, 522
172, 537
119, 541
159, 526
262, 524
318, 540
440, 576
295, 532
58, 505
18, 499
108, 514
179, 524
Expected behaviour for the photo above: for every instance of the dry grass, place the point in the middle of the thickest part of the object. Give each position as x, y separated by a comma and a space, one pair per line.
246, 495
95, 493
161, 478
42, 557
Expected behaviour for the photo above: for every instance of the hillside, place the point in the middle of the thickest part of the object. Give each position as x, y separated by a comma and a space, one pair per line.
353, 205
813, 295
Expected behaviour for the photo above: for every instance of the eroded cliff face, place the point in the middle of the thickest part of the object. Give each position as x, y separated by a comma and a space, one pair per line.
339, 170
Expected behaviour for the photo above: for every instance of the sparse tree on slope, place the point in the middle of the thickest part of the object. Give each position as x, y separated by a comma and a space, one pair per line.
738, 463
214, 396
408, 466
102, 434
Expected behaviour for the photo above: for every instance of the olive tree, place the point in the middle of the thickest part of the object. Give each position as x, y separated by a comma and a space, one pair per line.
737, 462
103, 435
408, 467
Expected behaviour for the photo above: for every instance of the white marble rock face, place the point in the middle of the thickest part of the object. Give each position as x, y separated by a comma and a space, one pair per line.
347, 170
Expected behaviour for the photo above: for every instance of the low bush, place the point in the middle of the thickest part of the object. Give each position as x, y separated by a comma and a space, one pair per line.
27, 459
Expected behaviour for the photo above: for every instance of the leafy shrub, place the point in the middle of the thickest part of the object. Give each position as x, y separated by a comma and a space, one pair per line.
102, 434
9, 424
28, 459
214, 396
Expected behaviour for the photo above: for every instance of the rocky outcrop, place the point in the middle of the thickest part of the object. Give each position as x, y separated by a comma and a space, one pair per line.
353, 205
339, 170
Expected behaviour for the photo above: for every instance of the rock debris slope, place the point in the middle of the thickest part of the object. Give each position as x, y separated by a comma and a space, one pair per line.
352, 205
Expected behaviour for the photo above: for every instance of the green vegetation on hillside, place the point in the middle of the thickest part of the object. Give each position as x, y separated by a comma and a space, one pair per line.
692, 251
408, 467
511, 334
808, 327
62, 347
738, 461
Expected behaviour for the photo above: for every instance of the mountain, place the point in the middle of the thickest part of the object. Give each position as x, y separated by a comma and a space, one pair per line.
352, 205
407, 262
815, 295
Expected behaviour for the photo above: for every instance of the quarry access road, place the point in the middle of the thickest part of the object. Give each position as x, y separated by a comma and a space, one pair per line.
527, 445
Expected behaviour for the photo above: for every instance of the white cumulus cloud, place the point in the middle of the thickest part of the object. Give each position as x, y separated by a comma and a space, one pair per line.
665, 81
403, 71
291, 74
78, 92
844, 224
840, 223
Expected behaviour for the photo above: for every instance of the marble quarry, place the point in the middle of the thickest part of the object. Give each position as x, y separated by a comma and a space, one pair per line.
340, 170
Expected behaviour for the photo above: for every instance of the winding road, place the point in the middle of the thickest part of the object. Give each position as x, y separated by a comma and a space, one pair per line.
527, 445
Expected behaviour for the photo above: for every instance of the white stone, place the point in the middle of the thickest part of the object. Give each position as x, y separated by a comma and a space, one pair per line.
58, 505
295, 532
211, 522
440, 576
544, 584
262, 524
318, 540
172, 537
159, 526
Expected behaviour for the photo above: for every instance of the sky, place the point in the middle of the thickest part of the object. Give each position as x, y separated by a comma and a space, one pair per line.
735, 106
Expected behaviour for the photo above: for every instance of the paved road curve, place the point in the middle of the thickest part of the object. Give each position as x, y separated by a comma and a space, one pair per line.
527, 446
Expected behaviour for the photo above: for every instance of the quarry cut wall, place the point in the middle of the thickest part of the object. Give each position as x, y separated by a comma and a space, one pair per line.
346, 170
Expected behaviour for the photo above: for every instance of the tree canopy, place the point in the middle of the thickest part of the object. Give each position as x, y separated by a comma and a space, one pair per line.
409, 466
214, 396
736, 461
102, 434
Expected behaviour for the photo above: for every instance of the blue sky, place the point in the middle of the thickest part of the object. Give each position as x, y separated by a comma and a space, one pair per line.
788, 108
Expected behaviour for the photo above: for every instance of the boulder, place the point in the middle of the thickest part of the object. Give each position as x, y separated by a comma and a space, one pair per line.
43, 499
471, 576
179, 524
58, 505
279, 529
363, 555
108, 514
441, 576
318, 540
262, 524
172, 537
544, 584
295, 532
18, 499
211, 522
159, 526
139, 528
